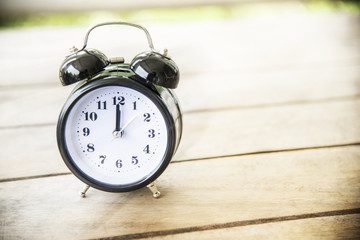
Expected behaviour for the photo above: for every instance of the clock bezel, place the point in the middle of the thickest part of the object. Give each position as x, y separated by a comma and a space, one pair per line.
154, 96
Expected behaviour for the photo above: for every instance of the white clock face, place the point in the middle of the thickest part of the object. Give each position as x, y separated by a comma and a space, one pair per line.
116, 135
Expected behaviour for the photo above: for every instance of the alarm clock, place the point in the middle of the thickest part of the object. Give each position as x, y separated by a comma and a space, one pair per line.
122, 124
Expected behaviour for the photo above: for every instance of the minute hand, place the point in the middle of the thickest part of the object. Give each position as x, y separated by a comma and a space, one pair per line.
128, 122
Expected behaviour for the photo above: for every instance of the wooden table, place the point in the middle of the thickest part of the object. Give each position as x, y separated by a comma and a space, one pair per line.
271, 141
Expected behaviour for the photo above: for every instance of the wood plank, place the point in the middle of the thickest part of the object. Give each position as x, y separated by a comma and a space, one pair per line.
239, 45
268, 88
216, 191
231, 132
23, 106
269, 43
338, 227
250, 78
33, 151
32, 106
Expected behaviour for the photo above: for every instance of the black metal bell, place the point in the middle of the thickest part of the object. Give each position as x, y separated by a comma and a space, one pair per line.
156, 68
82, 65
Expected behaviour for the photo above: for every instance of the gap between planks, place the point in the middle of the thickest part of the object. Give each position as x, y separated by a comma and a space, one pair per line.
280, 104
235, 224
199, 159
352, 61
311, 182
327, 124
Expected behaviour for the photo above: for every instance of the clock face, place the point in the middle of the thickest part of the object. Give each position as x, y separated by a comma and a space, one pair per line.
115, 136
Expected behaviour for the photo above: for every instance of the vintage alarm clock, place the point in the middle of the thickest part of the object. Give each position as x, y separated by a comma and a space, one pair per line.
122, 124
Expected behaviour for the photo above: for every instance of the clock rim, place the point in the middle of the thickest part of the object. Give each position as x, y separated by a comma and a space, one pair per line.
155, 97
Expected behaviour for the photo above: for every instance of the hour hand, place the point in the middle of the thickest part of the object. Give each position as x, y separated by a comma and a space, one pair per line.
117, 132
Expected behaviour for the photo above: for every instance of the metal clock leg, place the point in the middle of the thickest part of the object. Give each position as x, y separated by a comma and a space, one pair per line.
83, 193
152, 187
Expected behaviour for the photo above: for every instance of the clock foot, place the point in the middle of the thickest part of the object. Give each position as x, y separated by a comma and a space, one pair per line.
152, 187
83, 193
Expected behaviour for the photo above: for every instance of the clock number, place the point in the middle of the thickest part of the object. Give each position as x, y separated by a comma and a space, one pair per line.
152, 133
86, 131
147, 149
134, 160
118, 163
90, 147
134, 105
119, 100
92, 116
102, 158
147, 117
101, 105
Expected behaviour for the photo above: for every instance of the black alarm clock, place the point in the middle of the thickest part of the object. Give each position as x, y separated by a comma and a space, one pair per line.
122, 124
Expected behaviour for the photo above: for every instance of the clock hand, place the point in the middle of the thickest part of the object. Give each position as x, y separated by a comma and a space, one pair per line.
127, 124
118, 118
117, 132
121, 132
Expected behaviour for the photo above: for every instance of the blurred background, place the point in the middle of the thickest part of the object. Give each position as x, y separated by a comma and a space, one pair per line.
21, 13
249, 54
257, 35
272, 86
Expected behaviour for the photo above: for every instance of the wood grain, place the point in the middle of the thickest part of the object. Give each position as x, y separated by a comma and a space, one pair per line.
21, 107
216, 191
219, 46
254, 130
243, 131
338, 227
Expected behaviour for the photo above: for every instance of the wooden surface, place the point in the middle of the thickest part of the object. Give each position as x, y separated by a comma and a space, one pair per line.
271, 141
